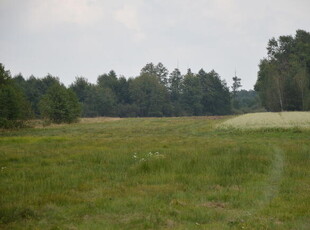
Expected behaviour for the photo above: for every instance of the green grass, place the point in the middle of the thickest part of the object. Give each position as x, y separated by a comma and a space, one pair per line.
102, 176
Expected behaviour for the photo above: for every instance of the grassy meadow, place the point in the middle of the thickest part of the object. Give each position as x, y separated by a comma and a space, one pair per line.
154, 173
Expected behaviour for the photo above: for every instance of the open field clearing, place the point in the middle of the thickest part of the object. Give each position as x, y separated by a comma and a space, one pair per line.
269, 120
155, 173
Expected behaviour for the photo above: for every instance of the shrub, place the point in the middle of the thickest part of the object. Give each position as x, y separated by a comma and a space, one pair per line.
60, 105
14, 108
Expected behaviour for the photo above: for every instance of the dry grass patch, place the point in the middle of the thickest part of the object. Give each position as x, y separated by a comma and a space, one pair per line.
43, 124
99, 119
268, 120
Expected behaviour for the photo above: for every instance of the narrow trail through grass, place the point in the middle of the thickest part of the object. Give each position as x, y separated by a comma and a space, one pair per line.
269, 188
272, 187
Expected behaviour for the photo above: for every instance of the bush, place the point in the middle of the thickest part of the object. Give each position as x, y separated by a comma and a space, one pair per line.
60, 105
14, 108
128, 110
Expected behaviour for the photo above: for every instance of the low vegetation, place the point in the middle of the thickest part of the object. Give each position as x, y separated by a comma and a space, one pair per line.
154, 173
269, 120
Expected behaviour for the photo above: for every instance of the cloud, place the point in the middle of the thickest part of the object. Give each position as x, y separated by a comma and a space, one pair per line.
93, 36
128, 16
54, 12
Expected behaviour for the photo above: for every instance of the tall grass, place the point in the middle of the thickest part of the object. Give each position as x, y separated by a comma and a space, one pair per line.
92, 176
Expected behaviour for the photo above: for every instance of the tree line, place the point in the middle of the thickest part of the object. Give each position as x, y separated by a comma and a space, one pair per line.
154, 93
45, 98
283, 81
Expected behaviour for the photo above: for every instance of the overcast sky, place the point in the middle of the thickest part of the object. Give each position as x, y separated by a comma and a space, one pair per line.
69, 38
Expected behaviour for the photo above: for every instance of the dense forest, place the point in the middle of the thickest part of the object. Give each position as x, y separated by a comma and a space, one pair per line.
154, 93
283, 84
283, 80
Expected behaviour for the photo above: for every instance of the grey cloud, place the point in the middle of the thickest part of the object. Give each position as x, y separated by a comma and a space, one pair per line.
89, 37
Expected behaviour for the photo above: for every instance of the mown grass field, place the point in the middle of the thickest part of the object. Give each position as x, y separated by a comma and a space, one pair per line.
281, 120
154, 173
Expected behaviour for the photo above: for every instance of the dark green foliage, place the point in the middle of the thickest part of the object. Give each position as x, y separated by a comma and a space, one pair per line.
108, 81
123, 96
14, 108
205, 94
283, 79
236, 85
149, 95
191, 95
5, 75
246, 101
216, 96
98, 100
128, 110
153, 93
105, 101
60, 105
81, 88
51, 100
158, 71
175, 90
34, 88
87, 96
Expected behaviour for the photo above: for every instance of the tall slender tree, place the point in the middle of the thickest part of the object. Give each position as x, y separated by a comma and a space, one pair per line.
284, 76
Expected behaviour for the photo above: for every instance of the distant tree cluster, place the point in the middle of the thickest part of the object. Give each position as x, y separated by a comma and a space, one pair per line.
154, 93
284, 76
59, 105
46, 98
49, 98
14, 108
283, 84
246, 101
